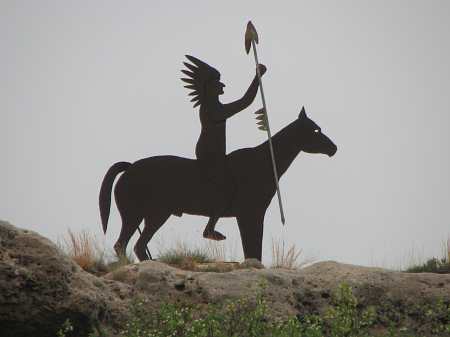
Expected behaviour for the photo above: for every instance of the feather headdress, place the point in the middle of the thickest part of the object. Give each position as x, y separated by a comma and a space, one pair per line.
199, 73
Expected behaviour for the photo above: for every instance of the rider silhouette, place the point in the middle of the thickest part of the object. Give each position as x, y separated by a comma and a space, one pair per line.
210, 150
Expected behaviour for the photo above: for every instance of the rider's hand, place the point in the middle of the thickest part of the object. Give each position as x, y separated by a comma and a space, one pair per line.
262, 69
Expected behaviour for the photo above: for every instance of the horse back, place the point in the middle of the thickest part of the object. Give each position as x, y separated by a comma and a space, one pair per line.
164, 182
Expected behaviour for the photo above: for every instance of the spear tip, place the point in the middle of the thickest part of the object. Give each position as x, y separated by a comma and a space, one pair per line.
250, 35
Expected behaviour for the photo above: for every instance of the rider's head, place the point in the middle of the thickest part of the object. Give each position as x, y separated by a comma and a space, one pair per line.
214, 87
203, 79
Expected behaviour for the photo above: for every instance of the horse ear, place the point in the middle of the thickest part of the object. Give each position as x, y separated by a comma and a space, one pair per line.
302, 113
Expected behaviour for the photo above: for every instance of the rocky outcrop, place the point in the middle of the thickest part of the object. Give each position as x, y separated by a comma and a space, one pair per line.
40, 288
290, 292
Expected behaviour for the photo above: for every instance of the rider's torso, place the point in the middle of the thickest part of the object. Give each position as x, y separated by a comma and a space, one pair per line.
211, 143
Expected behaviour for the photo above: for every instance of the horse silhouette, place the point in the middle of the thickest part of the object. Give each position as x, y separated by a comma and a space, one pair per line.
154, 188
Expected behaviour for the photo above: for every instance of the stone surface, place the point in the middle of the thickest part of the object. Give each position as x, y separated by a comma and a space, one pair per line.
40, 288
217, 266
252, 263
291, 292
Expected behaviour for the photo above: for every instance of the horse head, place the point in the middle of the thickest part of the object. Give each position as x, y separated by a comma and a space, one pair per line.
314, 141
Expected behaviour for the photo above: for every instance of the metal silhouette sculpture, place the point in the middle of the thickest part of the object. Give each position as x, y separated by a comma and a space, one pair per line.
154, 188
204, 81
215, 185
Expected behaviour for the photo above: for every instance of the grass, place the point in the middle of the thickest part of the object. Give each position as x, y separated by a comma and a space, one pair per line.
216, 250
185, 257
434, 265
83, 248
286, 257
248, 317
446, 249
448, 252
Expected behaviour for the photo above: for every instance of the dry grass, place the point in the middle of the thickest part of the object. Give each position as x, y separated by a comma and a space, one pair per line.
216, 251
206, 258
439, 265
84, 249
284, 256
188, 257
183, 256
448, 250
195, 257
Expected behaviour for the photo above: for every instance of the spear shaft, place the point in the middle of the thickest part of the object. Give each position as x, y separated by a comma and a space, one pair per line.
269, 135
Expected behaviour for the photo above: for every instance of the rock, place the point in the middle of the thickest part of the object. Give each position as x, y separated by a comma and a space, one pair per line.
252, 263
40, 288
298, 292
219, 267
180, 284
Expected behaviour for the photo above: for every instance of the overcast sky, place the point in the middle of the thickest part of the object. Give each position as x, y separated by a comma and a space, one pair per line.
375, 75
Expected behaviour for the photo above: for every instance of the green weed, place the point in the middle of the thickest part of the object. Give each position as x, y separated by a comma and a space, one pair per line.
433, 265
249, 317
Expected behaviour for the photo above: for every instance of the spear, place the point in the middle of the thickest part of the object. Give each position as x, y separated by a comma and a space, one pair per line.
251, 39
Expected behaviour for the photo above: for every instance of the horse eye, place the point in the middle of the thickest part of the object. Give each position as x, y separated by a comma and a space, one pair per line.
316, 130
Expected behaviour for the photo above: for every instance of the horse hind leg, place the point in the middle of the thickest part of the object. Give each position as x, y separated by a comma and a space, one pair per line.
130, 223
152, 224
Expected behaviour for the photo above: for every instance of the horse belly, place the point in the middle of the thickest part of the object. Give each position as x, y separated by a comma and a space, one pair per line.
179, 190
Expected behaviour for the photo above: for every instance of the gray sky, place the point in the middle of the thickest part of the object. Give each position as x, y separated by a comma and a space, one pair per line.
374, 75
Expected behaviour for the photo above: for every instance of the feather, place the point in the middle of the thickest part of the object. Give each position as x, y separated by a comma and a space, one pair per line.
261, 117
190, 74
190, 67
259, 112
197, 74
196, 61
188, 80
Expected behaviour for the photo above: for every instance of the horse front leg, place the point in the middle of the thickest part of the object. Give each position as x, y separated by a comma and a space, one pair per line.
251, 226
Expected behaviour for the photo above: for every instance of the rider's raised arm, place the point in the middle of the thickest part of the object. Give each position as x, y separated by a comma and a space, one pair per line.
233, 108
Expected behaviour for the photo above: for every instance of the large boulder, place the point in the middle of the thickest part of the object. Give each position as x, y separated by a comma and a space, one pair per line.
40, 287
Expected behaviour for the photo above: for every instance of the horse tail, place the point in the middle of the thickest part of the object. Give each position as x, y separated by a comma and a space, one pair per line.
106, 188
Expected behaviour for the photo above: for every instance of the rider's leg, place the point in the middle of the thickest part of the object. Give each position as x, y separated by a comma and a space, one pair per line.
215, 174
210, 232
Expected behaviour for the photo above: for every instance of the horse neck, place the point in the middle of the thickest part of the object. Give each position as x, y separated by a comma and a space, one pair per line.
286, 146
